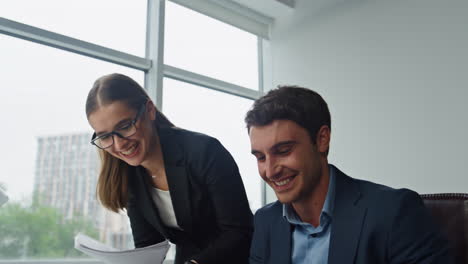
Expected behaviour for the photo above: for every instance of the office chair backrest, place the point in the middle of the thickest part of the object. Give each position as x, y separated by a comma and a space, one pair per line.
450, 211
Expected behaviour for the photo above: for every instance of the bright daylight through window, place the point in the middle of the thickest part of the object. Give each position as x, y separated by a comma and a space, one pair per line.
50, 168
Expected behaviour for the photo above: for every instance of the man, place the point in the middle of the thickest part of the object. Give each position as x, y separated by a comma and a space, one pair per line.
323, 215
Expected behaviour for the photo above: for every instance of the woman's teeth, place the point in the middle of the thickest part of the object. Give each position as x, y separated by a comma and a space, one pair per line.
129, 151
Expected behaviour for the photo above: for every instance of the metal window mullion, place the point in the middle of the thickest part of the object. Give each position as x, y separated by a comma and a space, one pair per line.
260, 64
266, 69
155, 50
52, 39
208, 82
261, 89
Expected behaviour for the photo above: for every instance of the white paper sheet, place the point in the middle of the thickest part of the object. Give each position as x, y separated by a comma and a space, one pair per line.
154, 254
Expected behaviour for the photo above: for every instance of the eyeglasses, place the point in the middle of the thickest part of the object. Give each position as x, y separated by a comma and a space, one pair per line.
124, 131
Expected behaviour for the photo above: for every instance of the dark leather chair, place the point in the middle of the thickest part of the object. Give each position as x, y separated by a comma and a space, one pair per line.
450, 211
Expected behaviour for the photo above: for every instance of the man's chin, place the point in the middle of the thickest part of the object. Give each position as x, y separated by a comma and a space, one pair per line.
285, 198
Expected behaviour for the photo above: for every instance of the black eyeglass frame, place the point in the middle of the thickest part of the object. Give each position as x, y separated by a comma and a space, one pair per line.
94, 138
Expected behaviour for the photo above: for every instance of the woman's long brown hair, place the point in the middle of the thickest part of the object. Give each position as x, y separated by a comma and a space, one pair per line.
112, 186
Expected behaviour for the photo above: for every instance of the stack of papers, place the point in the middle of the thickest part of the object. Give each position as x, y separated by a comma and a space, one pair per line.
154, 254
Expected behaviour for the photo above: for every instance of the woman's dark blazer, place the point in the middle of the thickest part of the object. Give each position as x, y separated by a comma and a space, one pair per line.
208, 196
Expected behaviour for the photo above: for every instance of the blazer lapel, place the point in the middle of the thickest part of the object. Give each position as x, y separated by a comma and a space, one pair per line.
180, 196
146, 201
348, 219
280, 242
177, 178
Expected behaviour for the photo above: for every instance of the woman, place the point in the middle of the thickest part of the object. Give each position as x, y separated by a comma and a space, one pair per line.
175, 184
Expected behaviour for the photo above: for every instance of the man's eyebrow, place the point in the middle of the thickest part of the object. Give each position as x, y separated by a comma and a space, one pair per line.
254, 151
276, 146
283, 143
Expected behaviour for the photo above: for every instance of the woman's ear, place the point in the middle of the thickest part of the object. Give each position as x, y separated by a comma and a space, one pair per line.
151, 110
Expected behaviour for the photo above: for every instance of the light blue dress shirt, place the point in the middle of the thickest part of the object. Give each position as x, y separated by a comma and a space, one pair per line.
310, 244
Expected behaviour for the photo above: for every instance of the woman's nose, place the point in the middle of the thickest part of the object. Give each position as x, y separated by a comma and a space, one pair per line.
119, 143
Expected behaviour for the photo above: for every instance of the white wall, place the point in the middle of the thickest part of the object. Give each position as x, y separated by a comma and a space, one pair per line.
395, 76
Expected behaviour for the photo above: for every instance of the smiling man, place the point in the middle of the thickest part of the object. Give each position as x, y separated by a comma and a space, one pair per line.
322, 215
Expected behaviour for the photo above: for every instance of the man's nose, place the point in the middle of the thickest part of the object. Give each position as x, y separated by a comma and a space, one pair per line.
271, 168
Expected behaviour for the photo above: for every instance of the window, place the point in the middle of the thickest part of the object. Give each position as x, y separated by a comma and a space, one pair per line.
201, 44
221, 116
50, 169
44, 128
119, 25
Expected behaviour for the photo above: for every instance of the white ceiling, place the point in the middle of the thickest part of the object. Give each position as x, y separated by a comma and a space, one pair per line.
271, 8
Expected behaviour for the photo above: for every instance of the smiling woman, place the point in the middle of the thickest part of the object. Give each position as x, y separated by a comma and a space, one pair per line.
151, 169
116, 103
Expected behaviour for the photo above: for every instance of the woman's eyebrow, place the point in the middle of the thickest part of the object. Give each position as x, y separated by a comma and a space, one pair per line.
116, 126
100, 133
121, 122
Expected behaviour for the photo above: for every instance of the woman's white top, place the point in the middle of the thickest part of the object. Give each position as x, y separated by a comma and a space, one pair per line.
163, 202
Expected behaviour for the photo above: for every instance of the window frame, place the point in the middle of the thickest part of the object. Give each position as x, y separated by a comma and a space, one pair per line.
152, 64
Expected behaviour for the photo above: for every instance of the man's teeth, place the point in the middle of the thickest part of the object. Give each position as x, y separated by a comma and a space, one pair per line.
129, 151
283, 182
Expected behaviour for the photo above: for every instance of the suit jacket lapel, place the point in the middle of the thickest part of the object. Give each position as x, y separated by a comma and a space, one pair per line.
177, 177
145, 200
348, 219
280, 242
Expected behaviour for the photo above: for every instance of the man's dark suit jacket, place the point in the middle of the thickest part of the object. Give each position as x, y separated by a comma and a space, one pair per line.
208, 196
371, 223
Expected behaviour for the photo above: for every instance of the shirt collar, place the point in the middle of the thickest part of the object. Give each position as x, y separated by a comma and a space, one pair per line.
290, 215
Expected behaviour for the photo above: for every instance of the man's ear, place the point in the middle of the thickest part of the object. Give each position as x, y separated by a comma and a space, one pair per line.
323, 139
